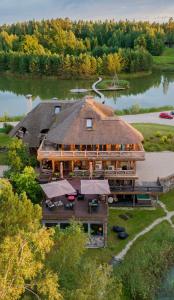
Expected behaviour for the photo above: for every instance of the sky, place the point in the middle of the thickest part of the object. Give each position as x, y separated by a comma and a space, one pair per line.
21, 10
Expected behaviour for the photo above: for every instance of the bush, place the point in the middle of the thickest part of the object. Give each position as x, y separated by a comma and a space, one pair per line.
151, 257
7, 127
135, 108
164, 139
158, 134
170, 135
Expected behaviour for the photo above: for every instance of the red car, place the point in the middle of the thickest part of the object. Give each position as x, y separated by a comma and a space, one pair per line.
164, 115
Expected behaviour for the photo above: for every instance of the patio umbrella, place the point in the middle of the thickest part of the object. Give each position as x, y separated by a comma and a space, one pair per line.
96, 187
57, 188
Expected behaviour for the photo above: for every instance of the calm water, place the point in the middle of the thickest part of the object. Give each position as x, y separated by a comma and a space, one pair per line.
149, 91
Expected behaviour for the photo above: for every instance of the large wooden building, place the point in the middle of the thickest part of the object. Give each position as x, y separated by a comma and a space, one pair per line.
78, 140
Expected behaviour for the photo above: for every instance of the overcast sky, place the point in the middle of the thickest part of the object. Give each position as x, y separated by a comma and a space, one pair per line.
20, 10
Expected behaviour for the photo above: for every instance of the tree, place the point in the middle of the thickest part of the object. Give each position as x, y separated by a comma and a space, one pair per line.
26, 181
23, 249
30, 45
18, 156
81, 278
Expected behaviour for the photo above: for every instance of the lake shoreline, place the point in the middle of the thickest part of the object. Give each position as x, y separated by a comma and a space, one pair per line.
86, 78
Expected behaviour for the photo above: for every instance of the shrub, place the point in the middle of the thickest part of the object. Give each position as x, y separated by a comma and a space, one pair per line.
164, 139
170, 135
135, 108
7, 127
158, 134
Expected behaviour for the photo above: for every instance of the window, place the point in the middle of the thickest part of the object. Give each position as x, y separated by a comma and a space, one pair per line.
57, 109
89, 123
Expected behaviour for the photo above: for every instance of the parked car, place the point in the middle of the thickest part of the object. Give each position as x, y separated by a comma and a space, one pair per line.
172, 112
165, 116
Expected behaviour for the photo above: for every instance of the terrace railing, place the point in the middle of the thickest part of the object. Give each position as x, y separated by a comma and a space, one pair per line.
70, 155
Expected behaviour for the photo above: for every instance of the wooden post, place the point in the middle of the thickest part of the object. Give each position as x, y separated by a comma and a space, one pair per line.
40, 162
61, 169
53, 166
90, 170
134, 200
72, 165
105, 233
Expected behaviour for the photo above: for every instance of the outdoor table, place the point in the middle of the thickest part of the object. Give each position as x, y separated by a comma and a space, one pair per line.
71, 198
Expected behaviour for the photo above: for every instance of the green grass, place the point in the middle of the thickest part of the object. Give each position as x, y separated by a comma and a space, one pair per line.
136, 109
146, 263
6, 118
141, 219
4, 139
4, 142
168, 200
165, 61
157, 137
107, 83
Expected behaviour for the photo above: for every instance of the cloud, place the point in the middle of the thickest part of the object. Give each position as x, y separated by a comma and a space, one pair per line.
20, 10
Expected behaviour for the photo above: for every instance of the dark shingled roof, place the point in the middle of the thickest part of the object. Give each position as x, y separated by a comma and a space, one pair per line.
69, 125
40, 118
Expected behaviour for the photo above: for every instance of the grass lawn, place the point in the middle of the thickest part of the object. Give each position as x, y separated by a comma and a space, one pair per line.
168, 200
166, 60
4, 141
157, 137
107, 83
140, 219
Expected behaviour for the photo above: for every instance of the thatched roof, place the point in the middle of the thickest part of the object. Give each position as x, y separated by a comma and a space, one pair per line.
70, 126
40, 118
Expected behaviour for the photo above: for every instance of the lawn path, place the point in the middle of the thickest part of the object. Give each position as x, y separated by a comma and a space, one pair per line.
168, 217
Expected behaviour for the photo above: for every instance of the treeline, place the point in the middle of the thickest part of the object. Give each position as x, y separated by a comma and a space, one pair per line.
83, 65
70, 42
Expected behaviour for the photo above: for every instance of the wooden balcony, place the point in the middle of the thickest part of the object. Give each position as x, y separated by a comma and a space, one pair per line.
90, 155
129, 174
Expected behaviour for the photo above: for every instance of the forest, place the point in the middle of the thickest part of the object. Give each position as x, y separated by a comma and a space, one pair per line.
65, 48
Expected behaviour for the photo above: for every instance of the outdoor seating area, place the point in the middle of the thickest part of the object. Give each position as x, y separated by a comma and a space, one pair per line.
64, 200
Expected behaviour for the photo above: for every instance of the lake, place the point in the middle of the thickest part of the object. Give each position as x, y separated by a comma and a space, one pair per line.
154, 90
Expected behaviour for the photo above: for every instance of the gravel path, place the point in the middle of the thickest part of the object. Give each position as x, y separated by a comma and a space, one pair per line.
168, 217
147, 118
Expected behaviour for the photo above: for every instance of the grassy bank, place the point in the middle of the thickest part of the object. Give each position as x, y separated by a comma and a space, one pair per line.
146, 263
168, 200
133, 225
4, 142
107, 83
7, 118
137, 109
164, 62
157, 137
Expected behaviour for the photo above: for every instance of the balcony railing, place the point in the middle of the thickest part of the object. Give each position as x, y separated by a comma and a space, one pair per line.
105, 173
100, 155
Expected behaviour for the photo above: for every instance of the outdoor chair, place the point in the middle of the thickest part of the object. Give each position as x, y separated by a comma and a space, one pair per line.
50, 204
69, 206
93, 205
80, 197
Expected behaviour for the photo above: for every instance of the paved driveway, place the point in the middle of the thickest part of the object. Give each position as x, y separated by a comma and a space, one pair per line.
147, 118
